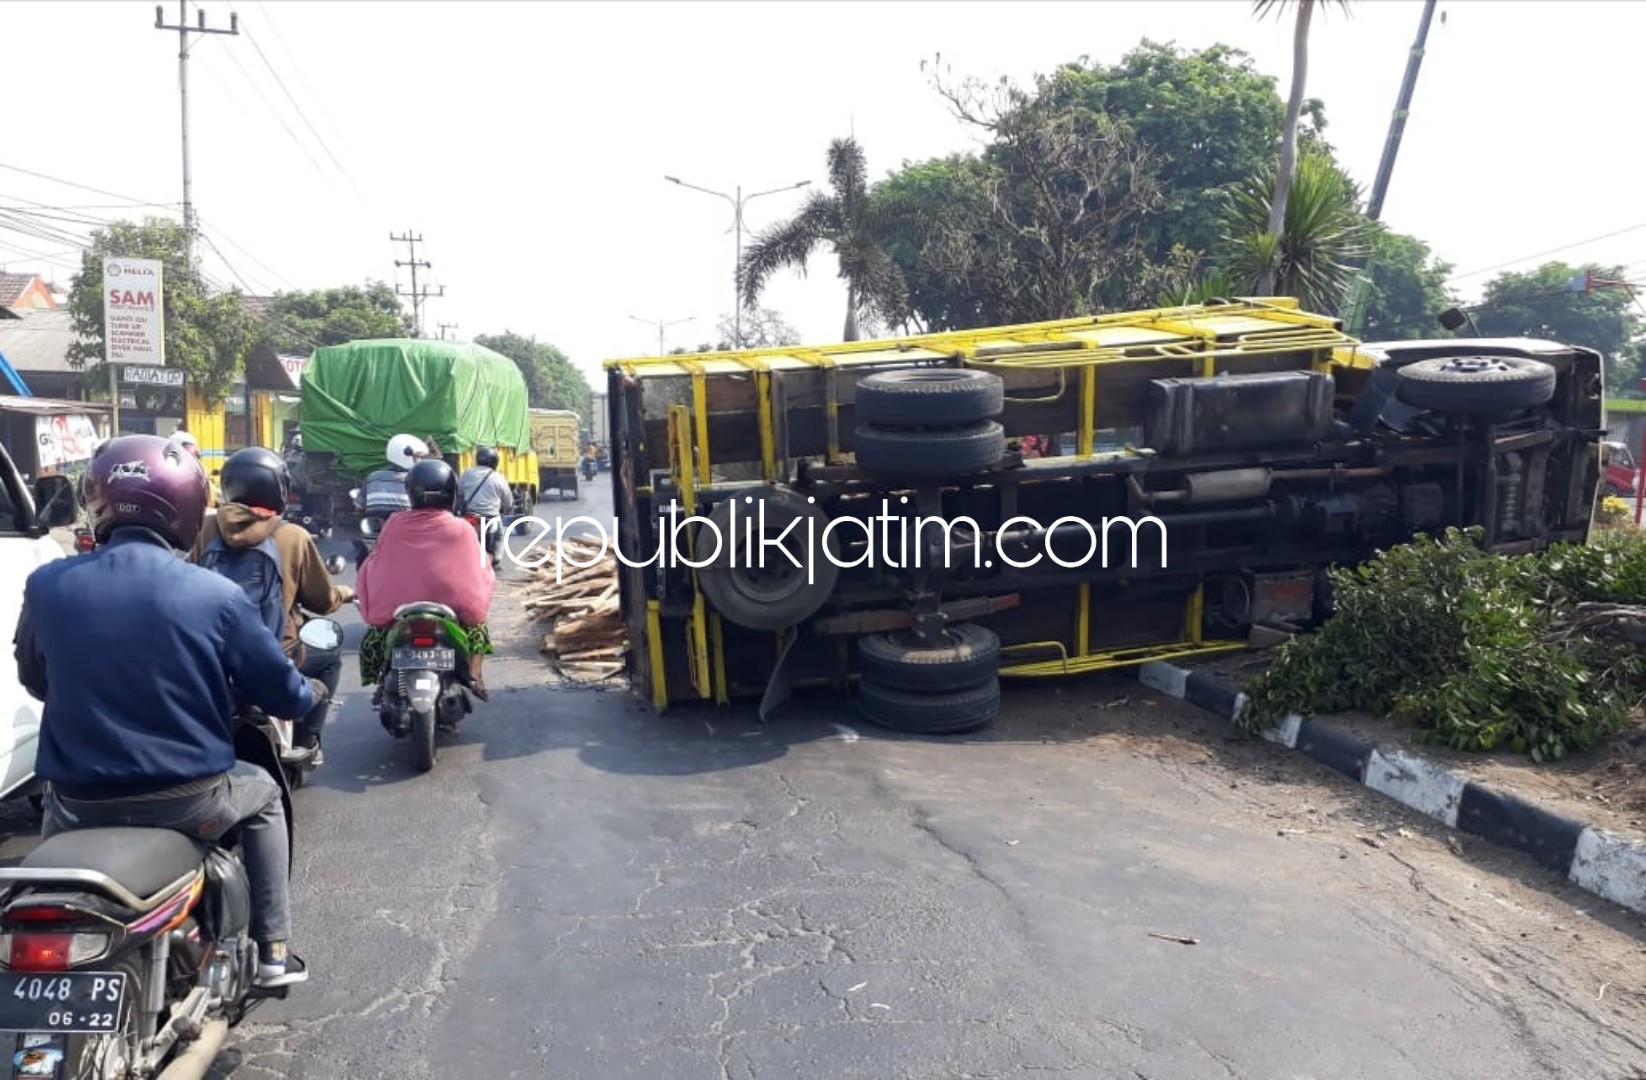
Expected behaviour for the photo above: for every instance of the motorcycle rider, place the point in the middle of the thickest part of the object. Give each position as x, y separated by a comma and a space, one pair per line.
487, 495
383, 492
182, 437
256, 485
140, 697
427, 554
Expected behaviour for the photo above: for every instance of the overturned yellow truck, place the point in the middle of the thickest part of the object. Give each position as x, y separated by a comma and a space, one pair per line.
911, 520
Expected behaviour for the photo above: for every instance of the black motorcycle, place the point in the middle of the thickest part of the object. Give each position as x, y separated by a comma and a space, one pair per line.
319, 635
128, 950
314, 516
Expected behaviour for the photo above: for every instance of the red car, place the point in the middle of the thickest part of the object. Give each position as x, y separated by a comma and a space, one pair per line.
1622, 471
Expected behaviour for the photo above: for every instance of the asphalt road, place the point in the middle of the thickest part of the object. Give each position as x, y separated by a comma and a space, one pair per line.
581, 889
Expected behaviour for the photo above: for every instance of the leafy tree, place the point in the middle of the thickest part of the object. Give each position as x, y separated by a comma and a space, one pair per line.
1047, 223
1311, 255
552, 382
1543, 303
1284, 176
841, 219
300, 321
1407, 290
207, 335
1208, 118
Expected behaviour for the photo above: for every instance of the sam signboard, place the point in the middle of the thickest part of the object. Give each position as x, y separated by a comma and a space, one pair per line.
134, 323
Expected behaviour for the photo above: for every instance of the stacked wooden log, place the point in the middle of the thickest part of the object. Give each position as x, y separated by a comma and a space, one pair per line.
575, 591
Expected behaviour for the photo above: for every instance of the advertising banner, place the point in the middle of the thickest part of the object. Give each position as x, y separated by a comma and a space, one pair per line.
64, 439
134, 323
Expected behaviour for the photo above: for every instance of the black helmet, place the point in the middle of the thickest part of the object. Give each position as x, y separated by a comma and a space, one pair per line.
256, 477
431, 482
486, 457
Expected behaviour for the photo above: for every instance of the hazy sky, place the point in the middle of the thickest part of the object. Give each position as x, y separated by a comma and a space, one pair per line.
527, 142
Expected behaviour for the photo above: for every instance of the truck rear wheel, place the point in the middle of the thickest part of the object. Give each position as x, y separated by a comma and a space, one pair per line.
929, 397
970, 658
952, 713
762, 588
1476, 384
909, 452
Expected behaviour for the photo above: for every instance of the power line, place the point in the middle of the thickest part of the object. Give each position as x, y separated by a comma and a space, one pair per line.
1551, 251
84, 187
278, 81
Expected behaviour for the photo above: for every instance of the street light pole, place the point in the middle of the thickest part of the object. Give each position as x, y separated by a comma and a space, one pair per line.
661, 326
738, 202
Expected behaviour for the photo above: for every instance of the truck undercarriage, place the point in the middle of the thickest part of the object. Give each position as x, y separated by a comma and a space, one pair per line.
1251, 447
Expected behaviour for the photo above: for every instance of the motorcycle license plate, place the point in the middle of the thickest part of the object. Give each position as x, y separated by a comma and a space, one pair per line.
63, 1003
426, 659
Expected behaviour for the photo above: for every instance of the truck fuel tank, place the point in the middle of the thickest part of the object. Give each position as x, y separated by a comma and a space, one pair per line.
1260, 411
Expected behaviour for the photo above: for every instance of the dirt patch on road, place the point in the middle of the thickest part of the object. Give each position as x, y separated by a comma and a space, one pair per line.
1604, 787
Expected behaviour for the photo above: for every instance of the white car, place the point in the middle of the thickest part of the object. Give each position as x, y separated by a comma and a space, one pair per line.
26, 518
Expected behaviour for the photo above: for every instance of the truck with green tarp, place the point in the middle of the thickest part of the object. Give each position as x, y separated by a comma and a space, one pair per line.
456, 396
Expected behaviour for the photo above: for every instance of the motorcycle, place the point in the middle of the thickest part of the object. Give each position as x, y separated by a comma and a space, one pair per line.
590, 467
370, 526
127, 951
424, 687
319, 524
318, 635
489, 531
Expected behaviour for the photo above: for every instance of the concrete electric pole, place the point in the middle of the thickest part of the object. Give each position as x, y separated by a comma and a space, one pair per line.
183, 31
417, 295
444, 327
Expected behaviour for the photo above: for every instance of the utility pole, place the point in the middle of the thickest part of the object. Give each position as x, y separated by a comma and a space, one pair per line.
737, 202
661, 326
183, 31
1391, 146
417, 295
444, 327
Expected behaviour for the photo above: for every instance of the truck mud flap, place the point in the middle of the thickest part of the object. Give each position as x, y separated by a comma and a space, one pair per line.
779, 687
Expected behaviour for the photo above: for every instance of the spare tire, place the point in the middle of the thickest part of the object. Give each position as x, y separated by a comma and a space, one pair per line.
957, 451
1476, 384
762, 589
929, 397
898, 661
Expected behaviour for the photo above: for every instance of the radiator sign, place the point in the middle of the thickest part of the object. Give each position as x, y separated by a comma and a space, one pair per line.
134, 323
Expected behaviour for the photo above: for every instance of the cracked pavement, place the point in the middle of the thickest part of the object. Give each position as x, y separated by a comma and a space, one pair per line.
581, 889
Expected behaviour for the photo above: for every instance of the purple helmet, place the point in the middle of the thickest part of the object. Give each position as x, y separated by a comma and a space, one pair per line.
146, 480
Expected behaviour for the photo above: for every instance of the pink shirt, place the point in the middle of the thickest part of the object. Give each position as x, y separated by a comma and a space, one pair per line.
429, 556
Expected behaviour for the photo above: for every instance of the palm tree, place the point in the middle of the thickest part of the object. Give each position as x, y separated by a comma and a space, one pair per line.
843, 220
1294, 107
1312, 256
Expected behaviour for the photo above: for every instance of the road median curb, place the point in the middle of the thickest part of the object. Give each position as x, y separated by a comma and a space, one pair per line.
1605, 864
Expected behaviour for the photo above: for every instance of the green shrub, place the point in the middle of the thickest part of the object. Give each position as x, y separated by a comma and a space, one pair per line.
1477, 651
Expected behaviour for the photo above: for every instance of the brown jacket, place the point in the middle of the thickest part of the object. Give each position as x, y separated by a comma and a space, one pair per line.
304, 578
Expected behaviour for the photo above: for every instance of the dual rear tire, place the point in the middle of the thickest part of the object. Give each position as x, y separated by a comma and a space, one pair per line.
948, 689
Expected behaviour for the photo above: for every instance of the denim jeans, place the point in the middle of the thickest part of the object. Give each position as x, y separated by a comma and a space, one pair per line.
245, 794
328, 668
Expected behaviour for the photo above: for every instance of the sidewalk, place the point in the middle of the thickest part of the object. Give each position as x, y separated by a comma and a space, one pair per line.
1596, 859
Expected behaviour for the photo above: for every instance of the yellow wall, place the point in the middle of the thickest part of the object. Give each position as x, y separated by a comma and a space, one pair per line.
205, 422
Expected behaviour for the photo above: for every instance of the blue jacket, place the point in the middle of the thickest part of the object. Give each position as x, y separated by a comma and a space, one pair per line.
141, 659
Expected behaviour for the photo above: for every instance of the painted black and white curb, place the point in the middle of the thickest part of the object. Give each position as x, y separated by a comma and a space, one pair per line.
1599, 862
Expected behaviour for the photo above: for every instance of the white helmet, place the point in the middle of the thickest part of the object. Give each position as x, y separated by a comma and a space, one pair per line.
405, 450
186, 441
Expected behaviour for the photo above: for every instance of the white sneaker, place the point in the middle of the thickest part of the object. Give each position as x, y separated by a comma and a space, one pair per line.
287, 971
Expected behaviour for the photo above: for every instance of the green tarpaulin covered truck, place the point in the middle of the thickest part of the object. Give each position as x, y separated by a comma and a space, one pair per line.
359, 395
